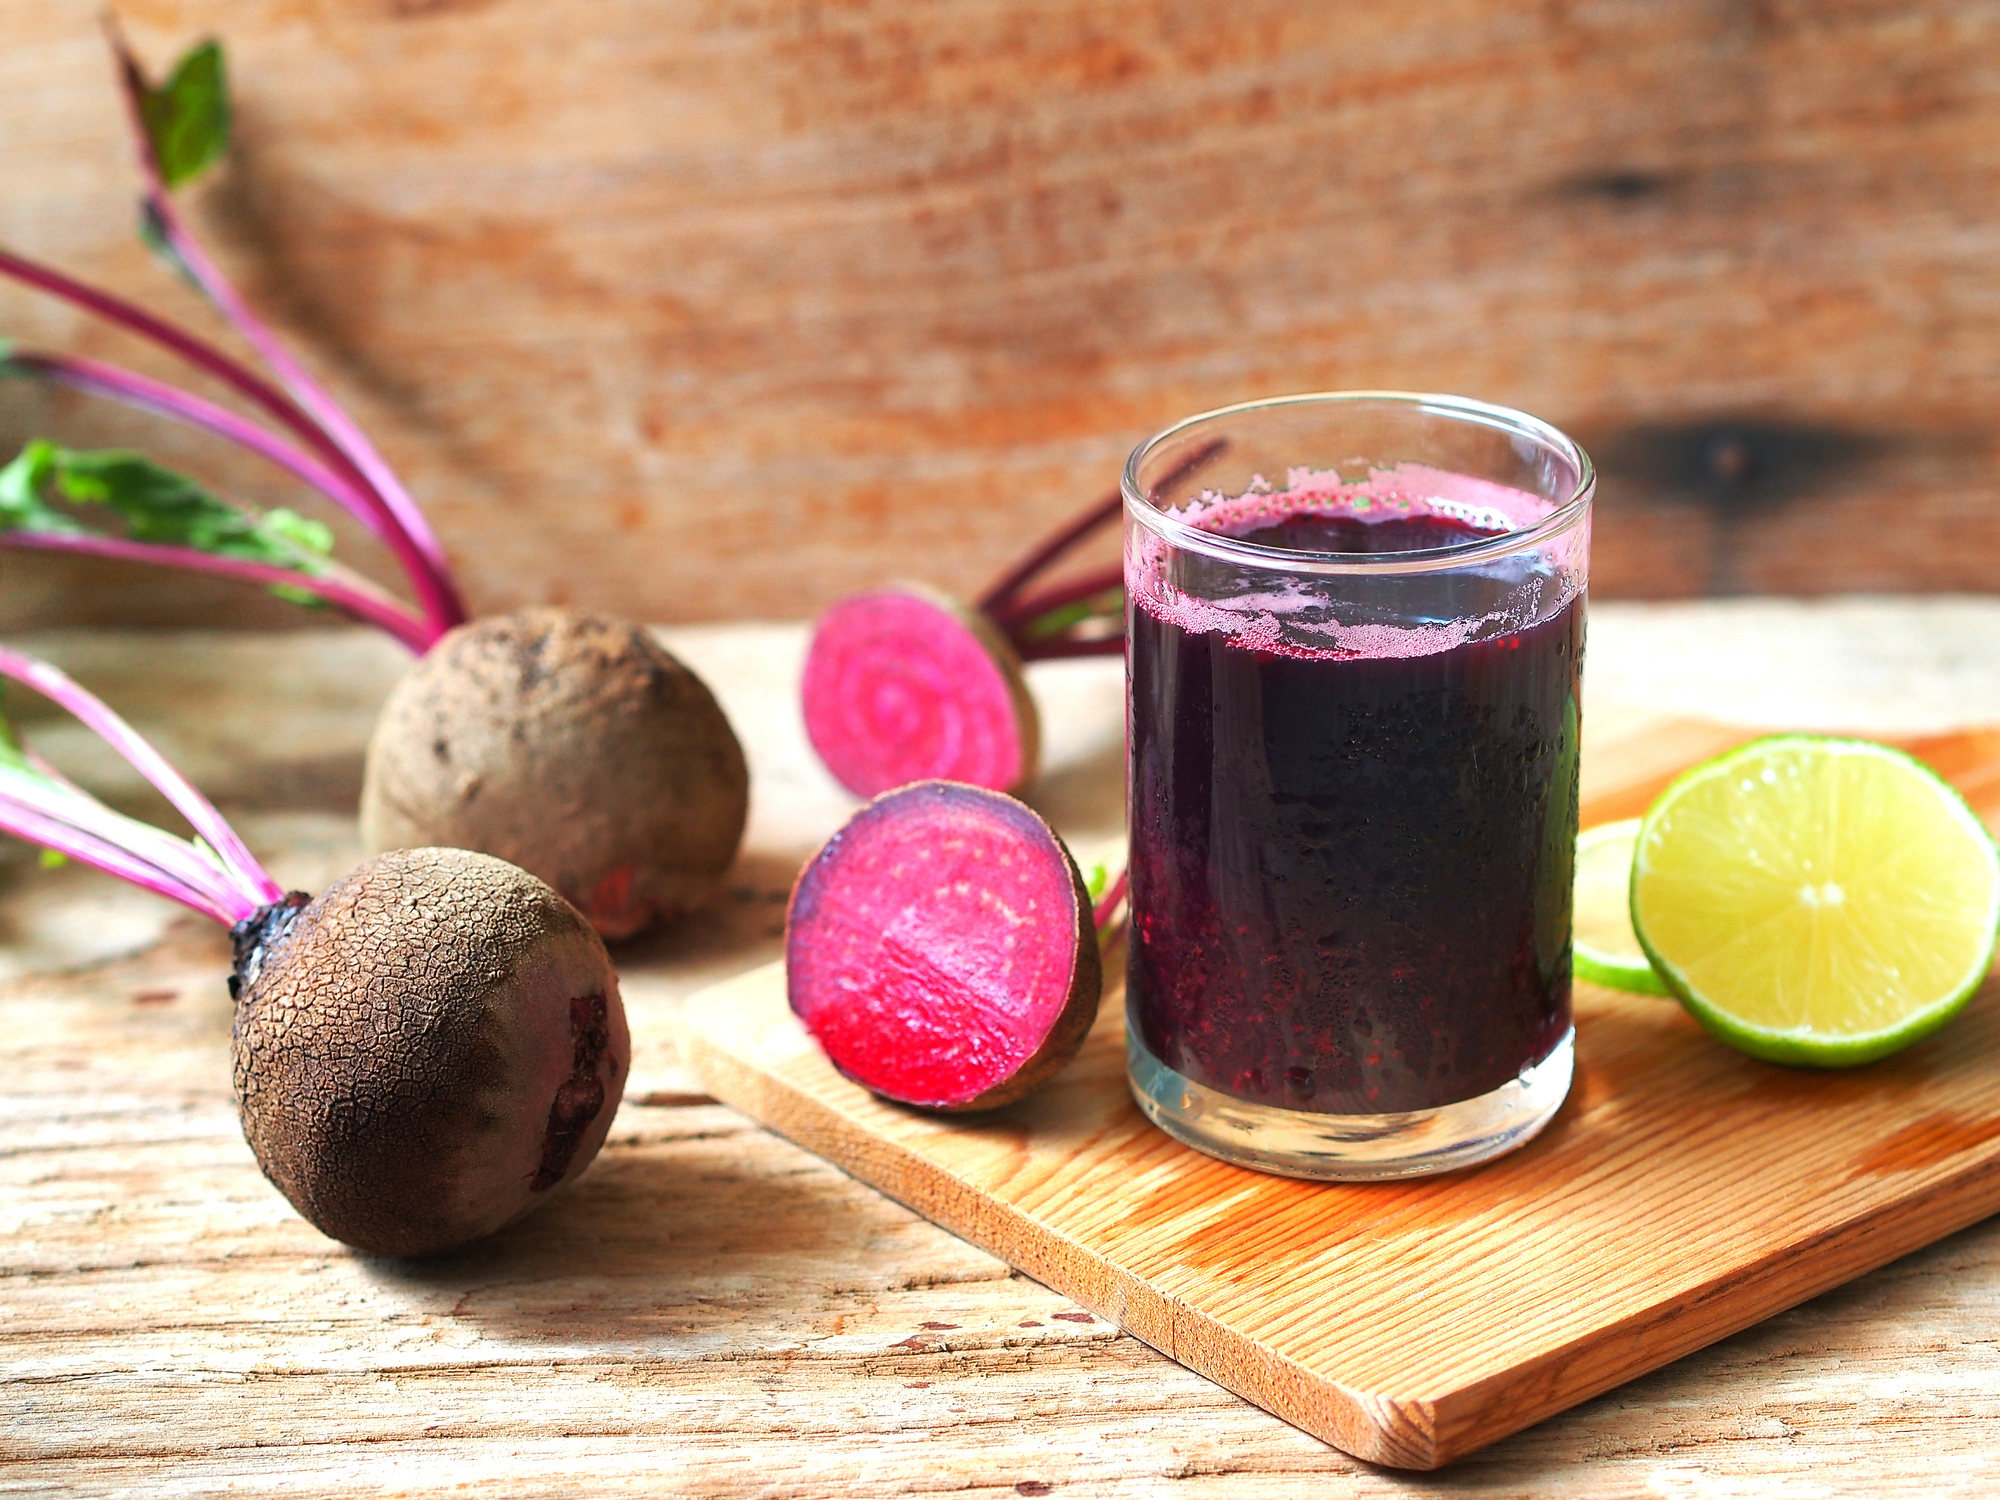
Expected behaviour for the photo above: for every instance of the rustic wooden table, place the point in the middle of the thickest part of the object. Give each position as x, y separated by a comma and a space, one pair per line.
713, 1311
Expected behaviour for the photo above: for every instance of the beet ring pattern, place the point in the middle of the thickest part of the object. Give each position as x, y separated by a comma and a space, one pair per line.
904, 684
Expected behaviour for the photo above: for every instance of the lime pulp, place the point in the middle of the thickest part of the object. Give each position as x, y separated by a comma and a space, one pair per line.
1816, 901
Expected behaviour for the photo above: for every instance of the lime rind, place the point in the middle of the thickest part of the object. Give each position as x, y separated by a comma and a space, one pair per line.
1802, 1046
1615, 960
1618, 974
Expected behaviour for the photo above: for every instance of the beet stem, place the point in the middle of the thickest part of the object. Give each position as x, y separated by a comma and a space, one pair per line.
142, 392
430, 574
237, 862
345, 590
1108, 904
206, 357
1060, 647
1020, 617
176, 878
997, 599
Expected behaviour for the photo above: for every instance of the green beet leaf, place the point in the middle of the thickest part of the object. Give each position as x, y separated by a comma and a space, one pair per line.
156, 504
11, 753
22, 486
187, 117
1056, 621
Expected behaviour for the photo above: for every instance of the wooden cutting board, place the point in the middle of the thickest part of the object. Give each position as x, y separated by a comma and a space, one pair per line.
1682, 1193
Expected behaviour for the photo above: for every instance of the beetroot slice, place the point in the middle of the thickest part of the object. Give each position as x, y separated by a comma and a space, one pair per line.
941, 948
905, 684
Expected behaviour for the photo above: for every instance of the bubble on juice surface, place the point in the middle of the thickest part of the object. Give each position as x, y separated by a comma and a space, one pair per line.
1407, 491
1322, 617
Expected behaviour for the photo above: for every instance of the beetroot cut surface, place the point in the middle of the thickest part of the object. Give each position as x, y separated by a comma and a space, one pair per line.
904, 684
941, 948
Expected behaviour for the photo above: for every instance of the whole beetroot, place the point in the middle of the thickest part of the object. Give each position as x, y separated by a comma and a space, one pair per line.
572, 745
426, 1051
421, 1056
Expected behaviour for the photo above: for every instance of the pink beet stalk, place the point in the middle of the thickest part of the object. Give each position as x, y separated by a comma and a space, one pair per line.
142, 392
147, 862
1080, 618
1025, 620
996, 599
222, 880
1108, 904
337, 477
344, 590
205, 357
430, 574
431, 577
195, 351
58, 688
335, 458
1067, 646
340, 588
1022, 613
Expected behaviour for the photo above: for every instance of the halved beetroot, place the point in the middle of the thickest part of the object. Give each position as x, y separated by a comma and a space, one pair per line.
905, 684
941, 948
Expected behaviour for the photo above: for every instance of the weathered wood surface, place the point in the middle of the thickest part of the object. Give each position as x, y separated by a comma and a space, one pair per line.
1683, 1192
714, 1311
697, 309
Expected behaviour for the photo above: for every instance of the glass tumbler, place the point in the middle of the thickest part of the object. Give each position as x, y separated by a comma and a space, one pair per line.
1355, 643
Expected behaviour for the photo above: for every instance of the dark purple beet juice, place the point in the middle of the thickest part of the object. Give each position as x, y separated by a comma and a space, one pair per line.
1354, 647
1352, 846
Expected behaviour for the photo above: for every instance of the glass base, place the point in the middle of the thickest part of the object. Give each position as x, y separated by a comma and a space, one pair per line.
1350, 1148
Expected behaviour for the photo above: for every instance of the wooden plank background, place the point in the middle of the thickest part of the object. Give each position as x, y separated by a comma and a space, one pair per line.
700, 308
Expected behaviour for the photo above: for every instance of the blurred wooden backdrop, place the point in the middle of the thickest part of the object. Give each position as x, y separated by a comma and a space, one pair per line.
703, 308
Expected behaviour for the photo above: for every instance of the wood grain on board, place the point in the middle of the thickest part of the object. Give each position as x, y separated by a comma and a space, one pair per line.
697, 309
1682, 1193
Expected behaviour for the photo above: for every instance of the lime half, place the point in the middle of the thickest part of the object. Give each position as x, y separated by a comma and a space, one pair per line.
1814, 900
1606, 951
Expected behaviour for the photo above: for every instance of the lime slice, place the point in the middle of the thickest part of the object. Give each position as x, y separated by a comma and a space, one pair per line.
1605, 951
1815, 900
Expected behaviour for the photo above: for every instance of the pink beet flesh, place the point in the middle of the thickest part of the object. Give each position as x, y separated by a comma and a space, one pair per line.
898, 688
933, 944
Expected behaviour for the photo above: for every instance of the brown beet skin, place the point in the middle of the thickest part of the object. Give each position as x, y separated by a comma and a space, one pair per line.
426, 1051
573, 746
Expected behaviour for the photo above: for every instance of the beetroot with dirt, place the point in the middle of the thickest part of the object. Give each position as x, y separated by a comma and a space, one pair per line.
420, 1056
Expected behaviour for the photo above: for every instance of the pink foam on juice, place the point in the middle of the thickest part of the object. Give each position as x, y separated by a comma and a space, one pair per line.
1444, 511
